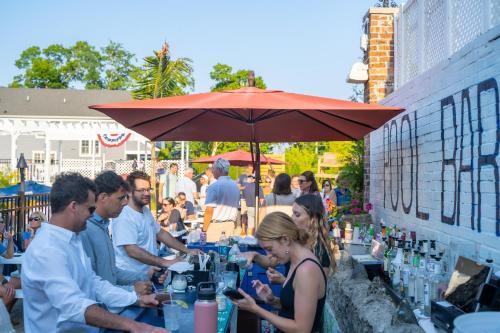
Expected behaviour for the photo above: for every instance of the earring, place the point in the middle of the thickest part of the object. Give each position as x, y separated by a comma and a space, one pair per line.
287, 252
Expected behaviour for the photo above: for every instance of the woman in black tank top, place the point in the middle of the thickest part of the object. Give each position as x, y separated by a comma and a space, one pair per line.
303, 295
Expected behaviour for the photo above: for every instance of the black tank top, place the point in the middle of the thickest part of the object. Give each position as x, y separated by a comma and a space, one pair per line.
287, 298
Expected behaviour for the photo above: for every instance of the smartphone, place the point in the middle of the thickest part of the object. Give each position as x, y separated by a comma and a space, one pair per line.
232, 293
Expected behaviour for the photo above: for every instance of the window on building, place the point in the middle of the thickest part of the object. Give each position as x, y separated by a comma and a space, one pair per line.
85, 147
39, 157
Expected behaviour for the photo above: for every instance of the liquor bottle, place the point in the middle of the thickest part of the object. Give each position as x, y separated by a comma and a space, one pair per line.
396, 264
412, 284
387, 256
420, 278
405, 274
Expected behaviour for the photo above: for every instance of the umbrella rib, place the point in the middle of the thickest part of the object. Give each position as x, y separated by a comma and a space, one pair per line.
180, 125
158, 118
347, 119
229, 114
266, 116
330, 127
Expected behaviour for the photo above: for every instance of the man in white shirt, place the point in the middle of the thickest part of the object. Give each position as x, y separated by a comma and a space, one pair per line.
135, 231
222, 202
61, 291
186, 185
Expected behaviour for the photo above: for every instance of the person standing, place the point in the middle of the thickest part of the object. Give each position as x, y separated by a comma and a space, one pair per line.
248, 194
188, 186
135, 230
168, 183
222, 201
112, 196
295, 186
308, 184
61, 291
326, 192
281, 198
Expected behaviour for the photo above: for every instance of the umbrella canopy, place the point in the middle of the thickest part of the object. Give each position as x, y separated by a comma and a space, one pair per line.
249, 114
238, 158
30, 187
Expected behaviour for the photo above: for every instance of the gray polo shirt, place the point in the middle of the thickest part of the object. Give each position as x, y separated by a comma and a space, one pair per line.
98, 246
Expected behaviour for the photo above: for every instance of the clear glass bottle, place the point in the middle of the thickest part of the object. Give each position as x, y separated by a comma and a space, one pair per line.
420, 278
396, 265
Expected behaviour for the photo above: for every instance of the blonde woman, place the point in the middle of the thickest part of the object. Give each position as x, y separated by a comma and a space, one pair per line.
308, 214
35, 222
303, 295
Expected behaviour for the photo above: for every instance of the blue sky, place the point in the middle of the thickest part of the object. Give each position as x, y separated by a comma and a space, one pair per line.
298, 46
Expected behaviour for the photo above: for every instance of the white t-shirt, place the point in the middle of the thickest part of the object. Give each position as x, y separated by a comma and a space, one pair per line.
224, 196
187, 186
133, 227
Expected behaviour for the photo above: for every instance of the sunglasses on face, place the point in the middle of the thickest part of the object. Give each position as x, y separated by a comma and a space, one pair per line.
302, 181
36, 219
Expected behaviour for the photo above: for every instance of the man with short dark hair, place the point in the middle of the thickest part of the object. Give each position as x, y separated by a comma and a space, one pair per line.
111, 197
186, 207
61, 291
135, 231
168, 183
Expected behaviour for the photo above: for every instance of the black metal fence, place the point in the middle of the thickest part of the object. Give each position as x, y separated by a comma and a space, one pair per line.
16, 209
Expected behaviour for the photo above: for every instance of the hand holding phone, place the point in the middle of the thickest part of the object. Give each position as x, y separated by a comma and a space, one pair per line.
232, 293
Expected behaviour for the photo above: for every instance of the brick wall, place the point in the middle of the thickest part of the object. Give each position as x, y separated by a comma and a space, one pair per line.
435, 167
380, 60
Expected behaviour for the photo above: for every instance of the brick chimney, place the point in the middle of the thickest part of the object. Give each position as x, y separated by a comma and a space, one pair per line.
379, 57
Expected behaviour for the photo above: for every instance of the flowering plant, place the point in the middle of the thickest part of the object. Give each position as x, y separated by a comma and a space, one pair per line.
336, 214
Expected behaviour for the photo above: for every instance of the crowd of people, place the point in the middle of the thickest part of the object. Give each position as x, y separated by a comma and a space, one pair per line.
101, 244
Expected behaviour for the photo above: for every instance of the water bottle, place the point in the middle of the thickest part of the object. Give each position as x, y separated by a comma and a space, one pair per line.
205, 309
234, 253
221, 299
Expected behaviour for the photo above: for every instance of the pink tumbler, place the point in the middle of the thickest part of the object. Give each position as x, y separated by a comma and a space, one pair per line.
205, 309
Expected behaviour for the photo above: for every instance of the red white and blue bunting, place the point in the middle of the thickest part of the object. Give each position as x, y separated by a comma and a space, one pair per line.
113, 140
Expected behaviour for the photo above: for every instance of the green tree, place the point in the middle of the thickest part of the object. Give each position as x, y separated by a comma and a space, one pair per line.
299, 158
62, 67
226, 79
162, 76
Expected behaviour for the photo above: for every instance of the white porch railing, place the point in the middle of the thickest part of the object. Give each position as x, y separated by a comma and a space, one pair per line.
429, 31
86, 167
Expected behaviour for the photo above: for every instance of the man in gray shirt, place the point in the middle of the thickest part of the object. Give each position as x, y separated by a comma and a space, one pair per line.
111, 197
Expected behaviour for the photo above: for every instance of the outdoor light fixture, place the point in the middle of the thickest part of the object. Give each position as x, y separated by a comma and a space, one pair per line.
21, 165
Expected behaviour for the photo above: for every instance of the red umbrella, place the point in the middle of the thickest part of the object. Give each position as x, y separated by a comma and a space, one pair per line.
249, 114
238, 158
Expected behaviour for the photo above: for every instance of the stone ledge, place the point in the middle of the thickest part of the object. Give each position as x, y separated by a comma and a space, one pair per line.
361, 305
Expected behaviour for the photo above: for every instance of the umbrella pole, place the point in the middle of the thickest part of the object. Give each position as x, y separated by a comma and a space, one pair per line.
257, 183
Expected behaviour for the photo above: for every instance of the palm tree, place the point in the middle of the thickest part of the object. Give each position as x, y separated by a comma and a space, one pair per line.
163, 76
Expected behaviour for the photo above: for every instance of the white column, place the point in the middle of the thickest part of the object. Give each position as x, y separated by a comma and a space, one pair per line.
138, 151
46, 172
59, 157
187, 153
182, 155
92, 150
13, 148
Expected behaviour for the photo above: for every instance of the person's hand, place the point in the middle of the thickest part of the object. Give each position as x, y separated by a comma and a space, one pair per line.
154, 269
274, 276
143, 287
148, 301
8, 236
263, 291
168, 263
247, 303
8, 293
250, 255
145, 328
194, 252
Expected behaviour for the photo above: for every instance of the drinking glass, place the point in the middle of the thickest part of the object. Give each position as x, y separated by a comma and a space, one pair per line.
171, 315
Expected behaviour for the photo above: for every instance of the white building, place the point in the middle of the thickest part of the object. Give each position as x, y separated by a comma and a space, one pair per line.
59, 124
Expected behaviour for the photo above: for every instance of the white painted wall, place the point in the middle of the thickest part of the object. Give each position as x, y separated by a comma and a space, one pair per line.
429, 112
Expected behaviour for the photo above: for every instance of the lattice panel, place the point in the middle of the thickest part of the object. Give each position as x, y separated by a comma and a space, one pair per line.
466, 22
398, 53
435, 46
410, 26
494, 13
